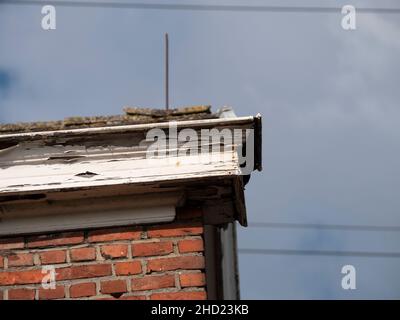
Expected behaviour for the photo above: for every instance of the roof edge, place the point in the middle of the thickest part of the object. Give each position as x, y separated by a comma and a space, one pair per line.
134, 127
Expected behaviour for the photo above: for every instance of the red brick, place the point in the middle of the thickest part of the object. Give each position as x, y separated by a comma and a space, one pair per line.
174, 231
187, 295
113, 286
114, 251
83, 254
11, 243
59, 239
54, 256
128, 268
115, 234
166, 264
85, 271
152, 248
195, 245
20, 259
50, 294
192, 280
21, 294
153, 282
1, 262
20, 277
82, 290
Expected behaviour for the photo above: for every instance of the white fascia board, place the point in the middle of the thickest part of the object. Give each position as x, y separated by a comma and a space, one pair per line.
38, 217
35, 223
37, 164
239, 121
118, 171
34, 166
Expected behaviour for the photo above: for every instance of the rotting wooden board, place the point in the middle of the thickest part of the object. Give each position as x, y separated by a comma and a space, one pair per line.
25, 178
240, 122
70, 164
93, 219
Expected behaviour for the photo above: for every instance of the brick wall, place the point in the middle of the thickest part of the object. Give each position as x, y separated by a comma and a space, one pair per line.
153, 262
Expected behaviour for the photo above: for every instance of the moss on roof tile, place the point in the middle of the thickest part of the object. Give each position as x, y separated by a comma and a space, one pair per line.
132, 115
157, 113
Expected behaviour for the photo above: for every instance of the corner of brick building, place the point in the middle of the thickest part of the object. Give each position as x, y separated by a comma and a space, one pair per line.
149, 262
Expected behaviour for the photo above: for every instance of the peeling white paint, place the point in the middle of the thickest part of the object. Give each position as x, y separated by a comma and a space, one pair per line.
45, 177
81, 174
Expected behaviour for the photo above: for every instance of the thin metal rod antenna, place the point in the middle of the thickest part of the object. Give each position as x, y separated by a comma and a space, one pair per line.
166, 72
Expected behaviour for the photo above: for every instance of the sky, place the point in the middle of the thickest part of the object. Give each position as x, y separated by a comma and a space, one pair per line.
329, 100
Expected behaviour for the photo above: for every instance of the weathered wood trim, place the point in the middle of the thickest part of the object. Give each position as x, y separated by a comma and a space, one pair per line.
246, 121
229, 262
44, 216
112, 161
55, 176
239, 200
212, 251
40, 224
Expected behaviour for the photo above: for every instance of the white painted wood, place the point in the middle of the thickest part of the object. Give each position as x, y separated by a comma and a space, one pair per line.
95, 219
94, 177
70, 214
95, 203
45, 177
246, 121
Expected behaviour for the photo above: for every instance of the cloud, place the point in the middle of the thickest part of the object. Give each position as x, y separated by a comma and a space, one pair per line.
7, 84
329, 100
6, 81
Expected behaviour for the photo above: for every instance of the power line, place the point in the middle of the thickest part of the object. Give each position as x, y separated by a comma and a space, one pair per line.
366, 254
283, 225
198, 7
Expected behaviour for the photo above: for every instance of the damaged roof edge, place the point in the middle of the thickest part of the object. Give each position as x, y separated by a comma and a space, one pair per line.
226, 119
134, 127
9, 141
258, 142
228, 113
132, 115
155, 113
